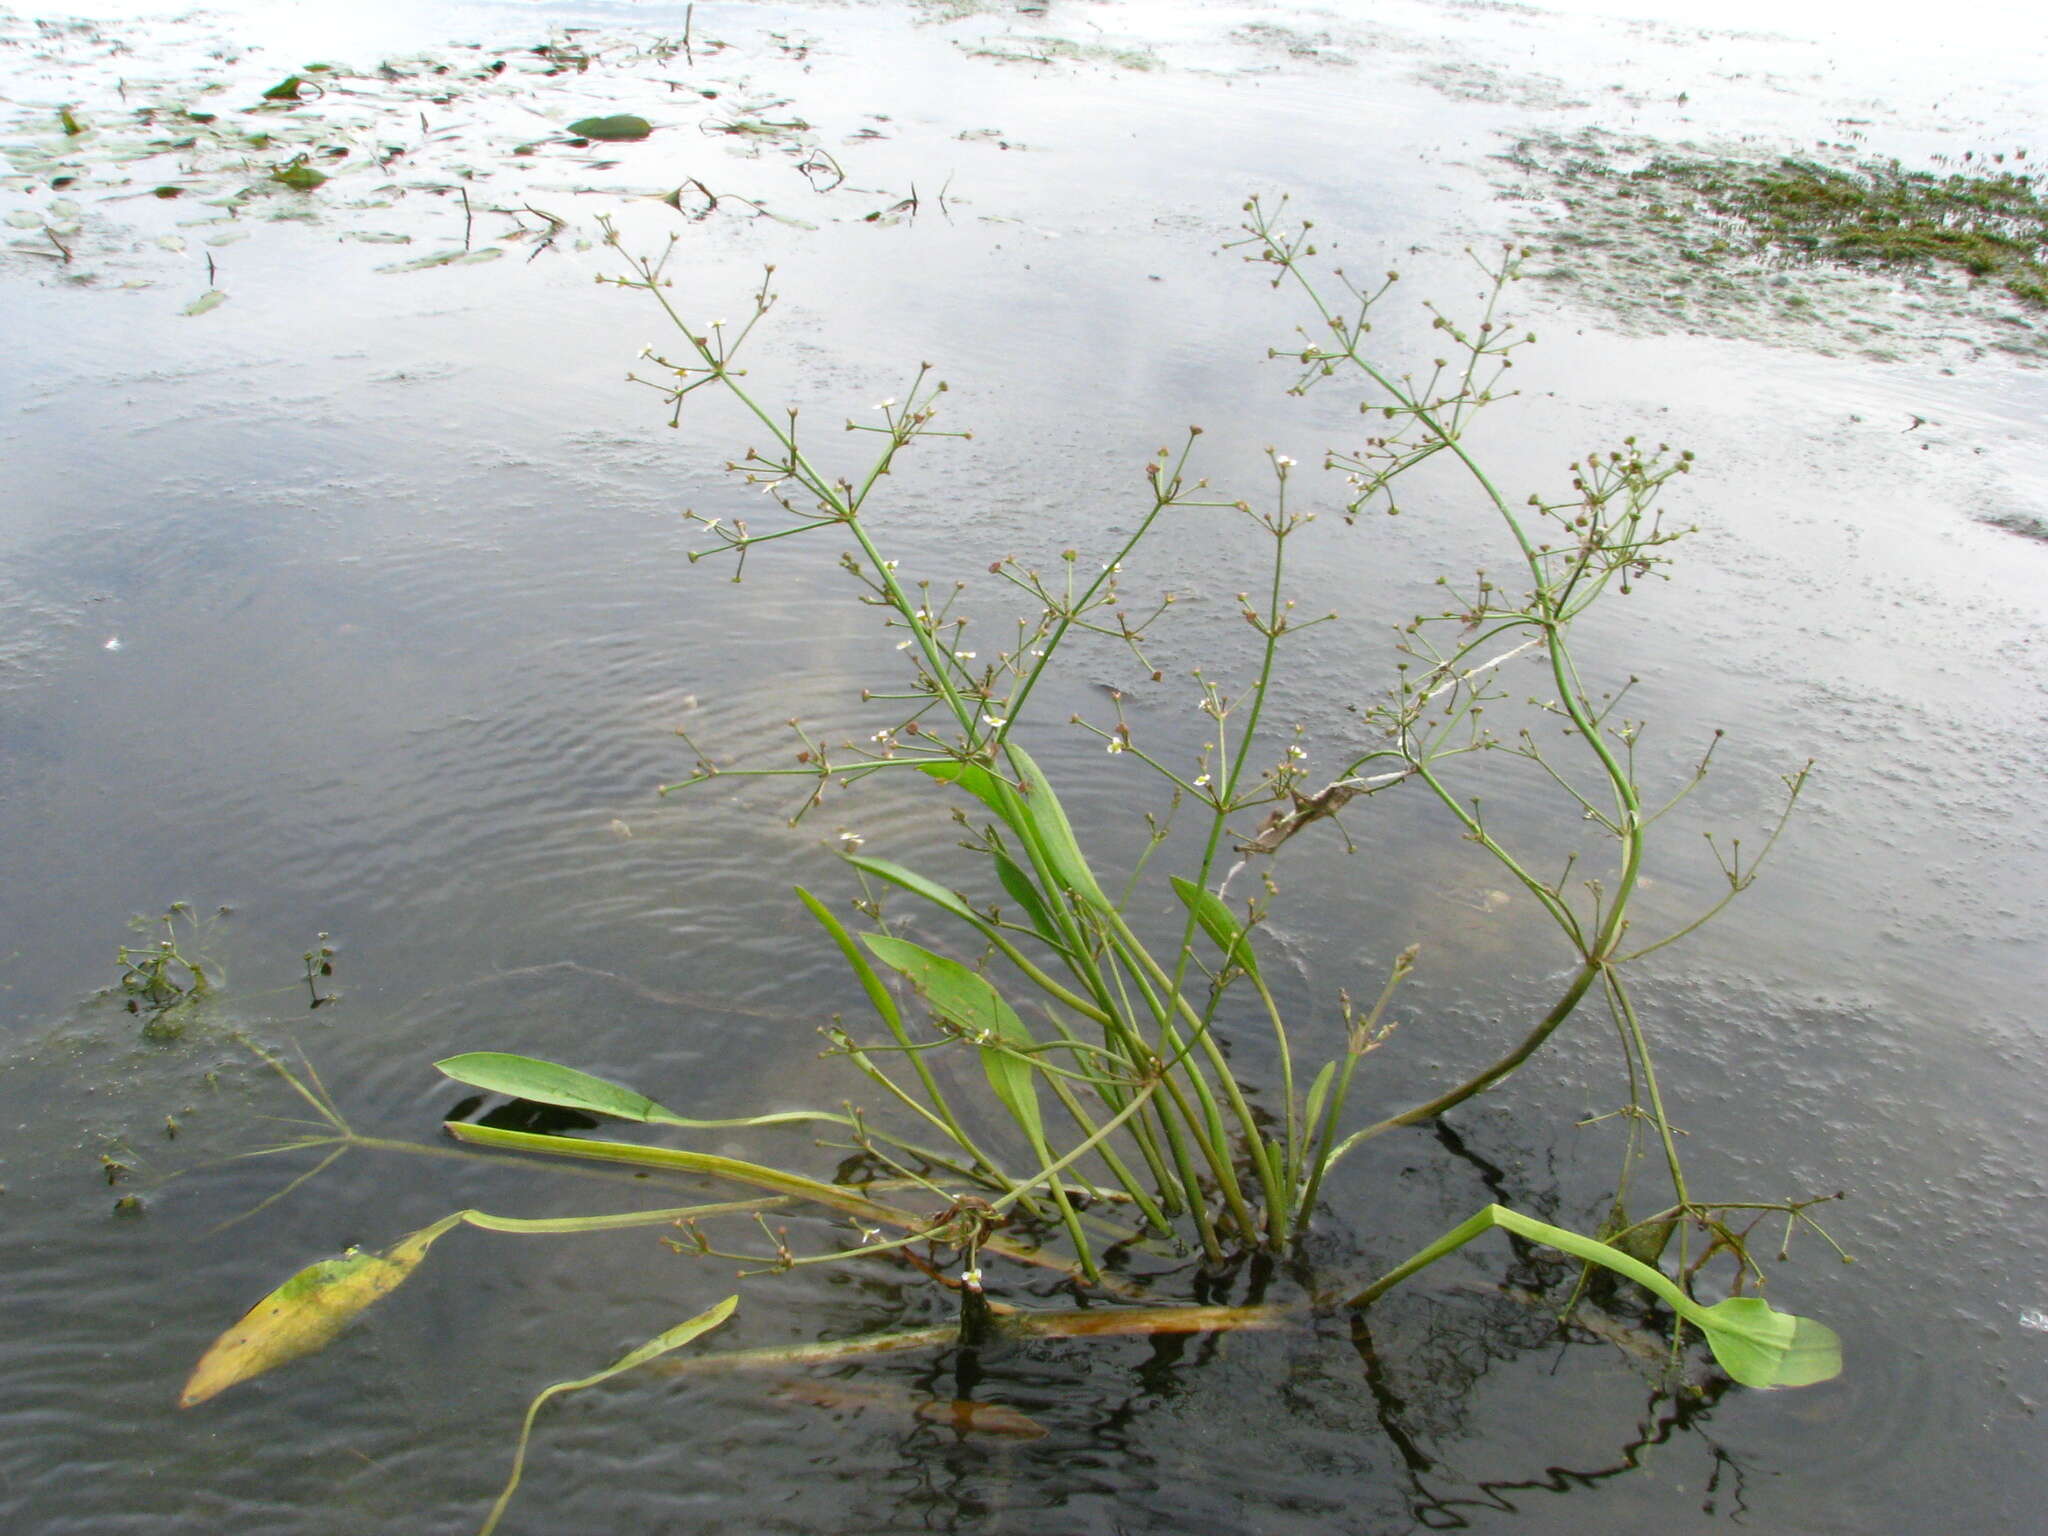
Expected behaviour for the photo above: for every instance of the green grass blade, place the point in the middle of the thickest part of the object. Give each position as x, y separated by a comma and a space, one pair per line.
655, 1347
571, 1226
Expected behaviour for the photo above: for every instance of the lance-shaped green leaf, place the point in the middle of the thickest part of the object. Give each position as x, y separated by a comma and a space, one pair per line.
1026, 894
620, 128
547, 1082
1753, 1342
1012, 808
910, 880
1311, 1115
973, 778
1053, 832
970, 1003
306, 1313
1220, 923
877, 994
654, 1348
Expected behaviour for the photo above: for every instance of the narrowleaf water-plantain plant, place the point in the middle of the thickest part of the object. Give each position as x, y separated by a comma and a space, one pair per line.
1105, 1117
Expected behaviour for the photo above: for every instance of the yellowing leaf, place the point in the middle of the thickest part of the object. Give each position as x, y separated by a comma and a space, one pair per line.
305, 1314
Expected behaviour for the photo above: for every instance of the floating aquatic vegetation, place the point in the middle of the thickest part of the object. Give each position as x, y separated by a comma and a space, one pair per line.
413, 132
1824, 250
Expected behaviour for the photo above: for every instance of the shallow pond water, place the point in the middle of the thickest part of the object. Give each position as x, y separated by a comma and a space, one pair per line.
357, 602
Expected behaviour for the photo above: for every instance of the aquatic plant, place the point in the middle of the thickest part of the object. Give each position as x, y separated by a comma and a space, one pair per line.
1105, 1116
1824, 248
159, 980
1988, 220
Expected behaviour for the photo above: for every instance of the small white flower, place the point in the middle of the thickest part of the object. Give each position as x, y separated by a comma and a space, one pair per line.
888, 565
711, 524
1201, 779
1297, 754
902, 645
850, 840
648, 350
963, 655
1281, 461
885, 404
994, 722
718, 325
1116, 744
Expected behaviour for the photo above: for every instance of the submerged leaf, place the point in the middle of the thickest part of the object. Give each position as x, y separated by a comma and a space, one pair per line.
213, 298
1093, 1322
286, 89
305, 1313
1645, 1243
445, 259
622, 127
963, 1416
